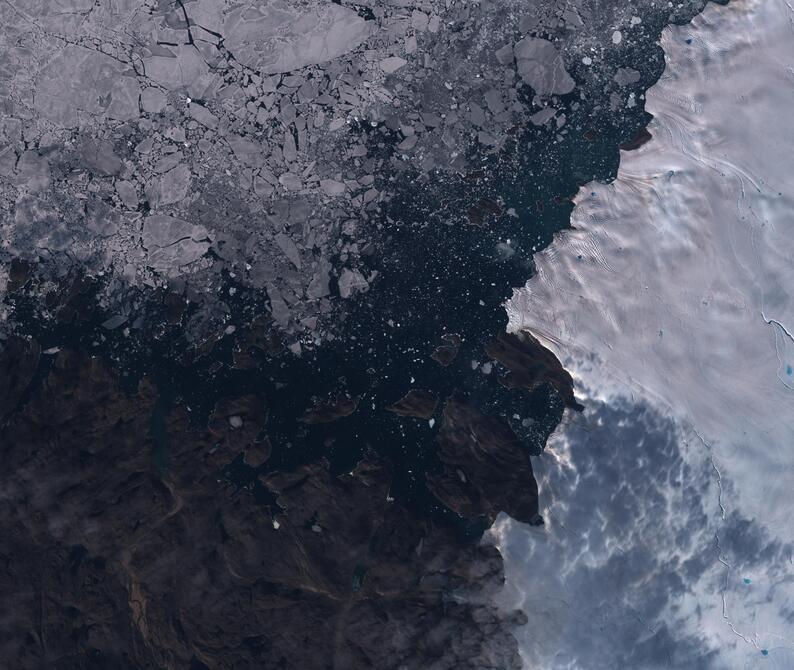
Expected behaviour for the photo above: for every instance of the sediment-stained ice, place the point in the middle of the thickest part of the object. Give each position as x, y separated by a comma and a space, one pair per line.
668, 537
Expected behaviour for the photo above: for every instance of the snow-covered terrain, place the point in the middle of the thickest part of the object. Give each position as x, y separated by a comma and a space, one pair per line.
668, 506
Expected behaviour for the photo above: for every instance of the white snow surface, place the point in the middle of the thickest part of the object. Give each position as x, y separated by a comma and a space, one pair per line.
668, 504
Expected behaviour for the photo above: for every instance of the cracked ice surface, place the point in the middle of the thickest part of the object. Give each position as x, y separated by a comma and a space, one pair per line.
264, 120
672, 297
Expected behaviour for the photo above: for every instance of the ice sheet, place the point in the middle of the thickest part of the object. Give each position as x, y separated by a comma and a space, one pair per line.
670, 302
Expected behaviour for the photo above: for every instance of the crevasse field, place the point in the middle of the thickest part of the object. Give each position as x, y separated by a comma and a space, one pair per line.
668, 504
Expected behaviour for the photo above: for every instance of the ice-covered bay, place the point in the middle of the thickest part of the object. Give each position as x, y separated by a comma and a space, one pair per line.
669, 504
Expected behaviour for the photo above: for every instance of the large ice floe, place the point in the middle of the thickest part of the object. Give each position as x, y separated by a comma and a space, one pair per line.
668, 505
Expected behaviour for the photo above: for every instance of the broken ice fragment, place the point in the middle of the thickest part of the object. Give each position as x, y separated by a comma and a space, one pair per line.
419, 20
171, 188
99, 157
541, 66
392, 64
493, 99
332, 187
289, 249
153, 100
282, 37
204, 116
168, 162
504, 55
34, 171
541, 117
172, 242
291, 181
247, 151
408, 143
626, 75
114, 322
352, 281
319, 285
76, 79
145, 146
126, 192
181, 70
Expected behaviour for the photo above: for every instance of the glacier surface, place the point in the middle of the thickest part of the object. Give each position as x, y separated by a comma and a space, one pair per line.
668, 536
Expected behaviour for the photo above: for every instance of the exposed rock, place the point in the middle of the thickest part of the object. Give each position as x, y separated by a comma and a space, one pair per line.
113, 560
325, 411
637, 141
446, 353
18, 364
486, 467
416, 403
529, 363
